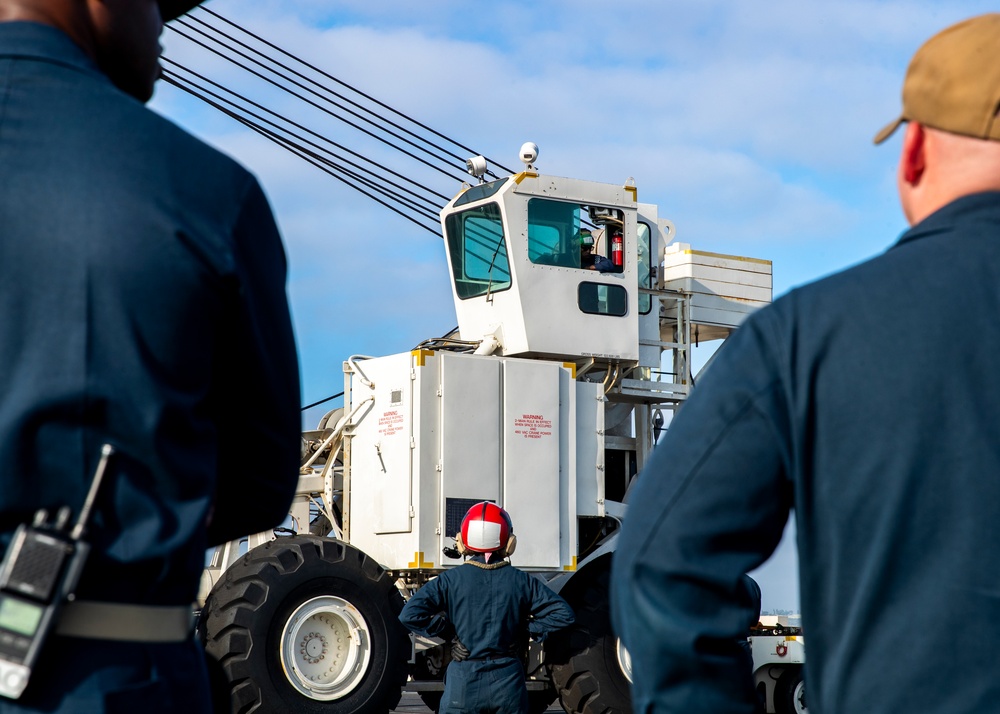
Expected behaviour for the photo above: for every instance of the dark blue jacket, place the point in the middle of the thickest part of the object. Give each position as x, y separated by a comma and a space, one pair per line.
489, 610
868, 402
142, 303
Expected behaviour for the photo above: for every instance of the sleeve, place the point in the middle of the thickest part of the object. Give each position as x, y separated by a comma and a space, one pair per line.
603, 264
256, 393
549, 612
424, 612
710, 505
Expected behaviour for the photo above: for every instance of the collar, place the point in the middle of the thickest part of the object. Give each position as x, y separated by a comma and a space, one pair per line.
974, 208
34, 40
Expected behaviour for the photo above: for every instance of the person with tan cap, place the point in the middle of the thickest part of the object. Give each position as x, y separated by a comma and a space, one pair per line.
143, 306
867, 403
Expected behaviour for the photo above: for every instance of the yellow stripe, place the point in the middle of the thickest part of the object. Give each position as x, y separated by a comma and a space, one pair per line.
523, 175
421, 355
572, 566
418, 561
571, 366
727, 257
634, 191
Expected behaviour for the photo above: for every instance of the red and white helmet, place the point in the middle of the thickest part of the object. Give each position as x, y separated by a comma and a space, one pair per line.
487, 528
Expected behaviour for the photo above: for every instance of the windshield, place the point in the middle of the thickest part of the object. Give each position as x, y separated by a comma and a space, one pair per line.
478, 251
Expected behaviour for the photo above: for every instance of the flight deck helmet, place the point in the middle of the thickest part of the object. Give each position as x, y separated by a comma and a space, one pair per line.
486, 528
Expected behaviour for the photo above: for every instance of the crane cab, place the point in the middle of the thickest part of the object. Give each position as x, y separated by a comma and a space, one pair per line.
524, 284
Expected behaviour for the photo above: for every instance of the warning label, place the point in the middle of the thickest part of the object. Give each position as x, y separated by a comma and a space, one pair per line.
390, 423
532, 426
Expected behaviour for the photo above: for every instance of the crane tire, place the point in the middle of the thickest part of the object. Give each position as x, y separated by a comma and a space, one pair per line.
305, 624
584, 660
790, 692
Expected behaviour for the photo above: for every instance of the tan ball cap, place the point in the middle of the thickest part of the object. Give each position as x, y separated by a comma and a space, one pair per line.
953, 82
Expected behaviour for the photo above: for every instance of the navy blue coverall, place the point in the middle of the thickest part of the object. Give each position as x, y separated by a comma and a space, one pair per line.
870, 402
488, 610
142, 303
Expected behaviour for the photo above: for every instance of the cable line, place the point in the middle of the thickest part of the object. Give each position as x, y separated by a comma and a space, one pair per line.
472, 152
312, 103
429, 200
286, 68
290, 146
367, 176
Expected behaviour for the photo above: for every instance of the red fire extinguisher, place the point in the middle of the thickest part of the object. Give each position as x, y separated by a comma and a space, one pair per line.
618, 250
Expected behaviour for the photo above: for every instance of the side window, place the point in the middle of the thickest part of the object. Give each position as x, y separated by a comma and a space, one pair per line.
599, 299
644, 267
572, 235
553, 229
478, 251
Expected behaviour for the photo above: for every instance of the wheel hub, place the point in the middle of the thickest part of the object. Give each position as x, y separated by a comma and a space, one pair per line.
313, 648
325, 648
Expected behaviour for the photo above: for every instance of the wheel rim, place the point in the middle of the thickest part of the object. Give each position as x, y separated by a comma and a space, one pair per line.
325, 648
624, 659
799, 698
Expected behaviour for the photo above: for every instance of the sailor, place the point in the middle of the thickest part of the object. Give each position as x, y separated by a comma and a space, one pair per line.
143, 306
589, 260
489, 607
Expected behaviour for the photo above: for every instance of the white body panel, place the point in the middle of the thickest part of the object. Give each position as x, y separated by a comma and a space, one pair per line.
725, 288
446, 430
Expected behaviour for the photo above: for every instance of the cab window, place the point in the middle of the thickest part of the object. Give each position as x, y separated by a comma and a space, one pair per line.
553, 227
478, 251
644, 267
571, 235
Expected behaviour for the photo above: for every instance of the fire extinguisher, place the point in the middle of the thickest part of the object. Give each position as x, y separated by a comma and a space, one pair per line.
618, 250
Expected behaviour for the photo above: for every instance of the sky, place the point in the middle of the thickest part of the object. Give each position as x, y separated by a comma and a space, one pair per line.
748, 123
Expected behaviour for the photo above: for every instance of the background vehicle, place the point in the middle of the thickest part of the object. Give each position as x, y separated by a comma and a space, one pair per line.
546, 399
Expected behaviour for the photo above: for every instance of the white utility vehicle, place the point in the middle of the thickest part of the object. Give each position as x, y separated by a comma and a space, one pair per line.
547, 399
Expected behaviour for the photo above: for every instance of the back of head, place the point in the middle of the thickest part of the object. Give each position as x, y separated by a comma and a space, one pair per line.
953, 81
951, 99
122, 37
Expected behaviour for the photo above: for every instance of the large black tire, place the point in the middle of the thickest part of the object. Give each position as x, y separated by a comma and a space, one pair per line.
540, 699
430, 665
790, 692
306, 625
584, 660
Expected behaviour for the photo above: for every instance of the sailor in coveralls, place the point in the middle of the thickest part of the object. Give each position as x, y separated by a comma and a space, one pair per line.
486, 604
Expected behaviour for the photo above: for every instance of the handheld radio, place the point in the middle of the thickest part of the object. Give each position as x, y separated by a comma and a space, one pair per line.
39, 572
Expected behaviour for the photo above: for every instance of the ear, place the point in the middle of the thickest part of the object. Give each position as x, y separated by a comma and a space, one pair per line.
511, 544
460, 544
913, 158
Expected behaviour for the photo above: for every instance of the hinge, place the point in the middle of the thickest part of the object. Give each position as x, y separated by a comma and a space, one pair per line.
413, 514
413, 443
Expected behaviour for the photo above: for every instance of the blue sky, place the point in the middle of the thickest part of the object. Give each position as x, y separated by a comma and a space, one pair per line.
748, 123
